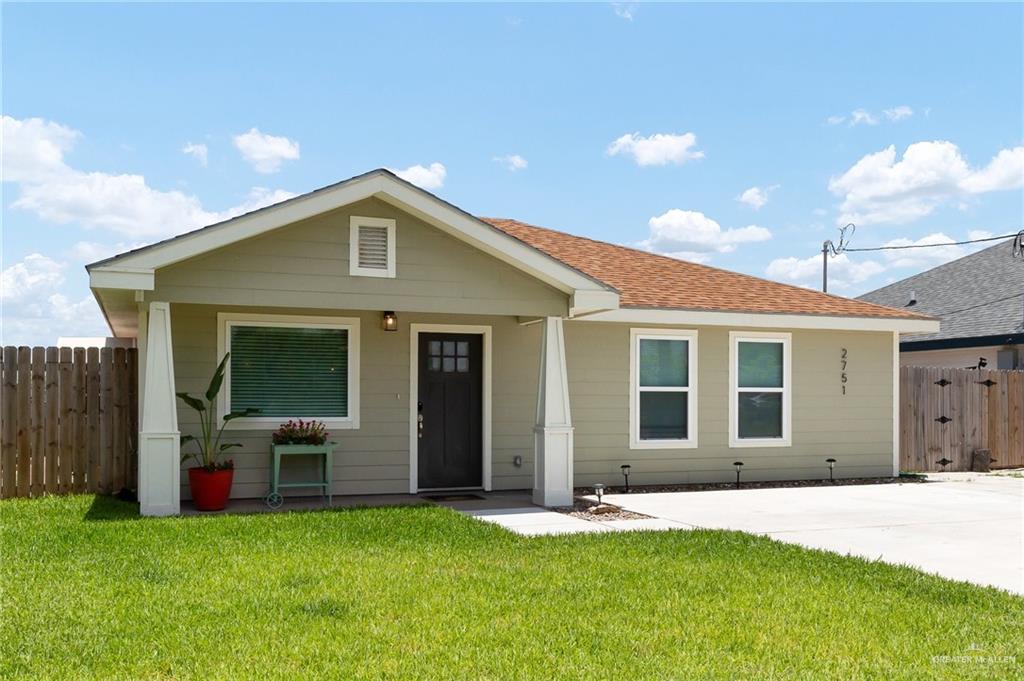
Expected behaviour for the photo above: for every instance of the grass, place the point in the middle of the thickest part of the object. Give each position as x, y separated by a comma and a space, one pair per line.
92, 591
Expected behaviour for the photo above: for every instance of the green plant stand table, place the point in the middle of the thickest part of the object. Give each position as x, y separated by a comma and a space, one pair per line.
274, 499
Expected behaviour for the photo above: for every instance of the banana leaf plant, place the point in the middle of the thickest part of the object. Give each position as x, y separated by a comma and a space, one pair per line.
208, 445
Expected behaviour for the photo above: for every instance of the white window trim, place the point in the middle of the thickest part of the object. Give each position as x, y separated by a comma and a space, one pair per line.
735, 337
355, 222
635, 336
225, 320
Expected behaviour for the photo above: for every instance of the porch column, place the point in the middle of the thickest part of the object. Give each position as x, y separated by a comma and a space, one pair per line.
552, 436
159, 446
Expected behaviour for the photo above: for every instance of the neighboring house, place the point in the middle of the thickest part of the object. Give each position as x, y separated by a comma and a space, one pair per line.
979, 300
536, 359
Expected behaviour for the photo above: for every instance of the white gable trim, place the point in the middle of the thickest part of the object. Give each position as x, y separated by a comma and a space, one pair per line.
379, 184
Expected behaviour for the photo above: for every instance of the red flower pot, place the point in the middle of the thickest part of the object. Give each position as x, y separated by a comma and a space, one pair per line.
210, 489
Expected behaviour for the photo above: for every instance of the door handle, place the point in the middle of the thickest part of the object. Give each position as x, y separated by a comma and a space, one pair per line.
419, 420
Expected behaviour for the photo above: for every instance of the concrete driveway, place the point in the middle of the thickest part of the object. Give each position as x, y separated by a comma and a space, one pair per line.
963, 526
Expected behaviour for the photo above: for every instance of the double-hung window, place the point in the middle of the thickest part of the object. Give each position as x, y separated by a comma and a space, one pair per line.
663, 394
290, 367
760, 377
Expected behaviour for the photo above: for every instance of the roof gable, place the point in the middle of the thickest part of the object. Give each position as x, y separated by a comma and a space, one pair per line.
134, 269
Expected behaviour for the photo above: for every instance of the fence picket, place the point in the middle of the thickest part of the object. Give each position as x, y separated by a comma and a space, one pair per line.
80, 443
106, 419
38, 403
52, 435
92, 358
65, 462
8, 429
24, 421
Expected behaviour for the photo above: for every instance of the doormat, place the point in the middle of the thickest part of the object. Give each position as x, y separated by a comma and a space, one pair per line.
453, 497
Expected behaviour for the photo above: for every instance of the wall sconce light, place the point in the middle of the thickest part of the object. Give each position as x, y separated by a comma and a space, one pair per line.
599, 491
389, 321
831, 465
739, 465
625, 474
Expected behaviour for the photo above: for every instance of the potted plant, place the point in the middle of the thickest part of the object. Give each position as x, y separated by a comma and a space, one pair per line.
210, 479
299, 437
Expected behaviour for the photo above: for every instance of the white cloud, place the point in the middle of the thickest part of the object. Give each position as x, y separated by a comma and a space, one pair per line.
691, 235
842, 271
427, 178
32, 277
862, 117
898, 113
756, 197
880, 189
624, 10
265, 153
33, 158
33, 149
658, 149
933, 256
35, 312
512, 162
197, 151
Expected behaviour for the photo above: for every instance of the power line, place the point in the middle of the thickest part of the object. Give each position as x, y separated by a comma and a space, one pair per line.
947, 243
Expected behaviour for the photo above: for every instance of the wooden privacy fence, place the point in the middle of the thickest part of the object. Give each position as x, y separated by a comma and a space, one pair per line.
68, 422
950, 413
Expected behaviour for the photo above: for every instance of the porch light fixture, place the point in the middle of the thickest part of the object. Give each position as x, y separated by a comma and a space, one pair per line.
389, 321
599, 490
739, 466
831, 465
625, 474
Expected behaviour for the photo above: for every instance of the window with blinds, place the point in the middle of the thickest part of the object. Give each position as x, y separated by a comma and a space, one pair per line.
372, 252
290, 371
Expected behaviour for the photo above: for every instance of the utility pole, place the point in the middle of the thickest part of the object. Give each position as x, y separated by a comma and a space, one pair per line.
824, 266
828, 248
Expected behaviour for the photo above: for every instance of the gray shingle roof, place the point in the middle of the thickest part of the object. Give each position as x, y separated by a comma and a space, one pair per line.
981, 294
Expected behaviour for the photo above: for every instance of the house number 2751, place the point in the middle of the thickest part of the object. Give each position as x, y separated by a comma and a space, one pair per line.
842, 372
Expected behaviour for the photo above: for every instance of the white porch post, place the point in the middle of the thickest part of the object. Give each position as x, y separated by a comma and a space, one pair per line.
552, 436
159, 447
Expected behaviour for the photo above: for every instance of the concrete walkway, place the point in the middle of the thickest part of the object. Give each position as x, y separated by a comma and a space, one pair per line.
963, 526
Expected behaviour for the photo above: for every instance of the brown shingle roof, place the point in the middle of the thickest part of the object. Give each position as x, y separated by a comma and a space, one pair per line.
648, 280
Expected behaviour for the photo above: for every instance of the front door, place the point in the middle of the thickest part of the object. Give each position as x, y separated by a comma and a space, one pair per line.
450, 414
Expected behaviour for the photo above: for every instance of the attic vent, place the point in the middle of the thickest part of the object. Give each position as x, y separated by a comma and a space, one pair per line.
372, 247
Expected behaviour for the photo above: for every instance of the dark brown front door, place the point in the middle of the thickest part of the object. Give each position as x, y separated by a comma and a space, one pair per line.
450, 410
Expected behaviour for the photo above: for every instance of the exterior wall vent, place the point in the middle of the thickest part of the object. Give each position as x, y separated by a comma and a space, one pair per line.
372, 247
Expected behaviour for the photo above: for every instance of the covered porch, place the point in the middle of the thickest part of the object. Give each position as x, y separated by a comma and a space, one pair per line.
524, 440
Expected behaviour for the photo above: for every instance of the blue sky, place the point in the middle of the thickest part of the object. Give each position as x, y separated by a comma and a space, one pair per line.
637, 124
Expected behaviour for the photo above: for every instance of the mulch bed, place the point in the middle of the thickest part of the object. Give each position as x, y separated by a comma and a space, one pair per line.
588, 510
766, 484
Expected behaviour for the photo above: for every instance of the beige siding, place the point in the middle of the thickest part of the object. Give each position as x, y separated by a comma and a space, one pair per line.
375, 457
856, 429
306, 265
961, 358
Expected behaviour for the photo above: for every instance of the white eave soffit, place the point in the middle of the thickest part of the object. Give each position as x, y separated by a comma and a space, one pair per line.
136, 270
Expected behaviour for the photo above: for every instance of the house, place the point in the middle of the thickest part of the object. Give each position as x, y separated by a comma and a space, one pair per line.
980, 302
514, 357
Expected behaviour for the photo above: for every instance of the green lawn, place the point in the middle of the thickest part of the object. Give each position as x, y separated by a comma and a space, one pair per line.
92, 591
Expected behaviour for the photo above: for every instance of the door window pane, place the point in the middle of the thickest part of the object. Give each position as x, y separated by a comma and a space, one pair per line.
664, 362
760, 414
462, 348
435, 347
663, 415
760, 365
449, 364
449, 348
462, 364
